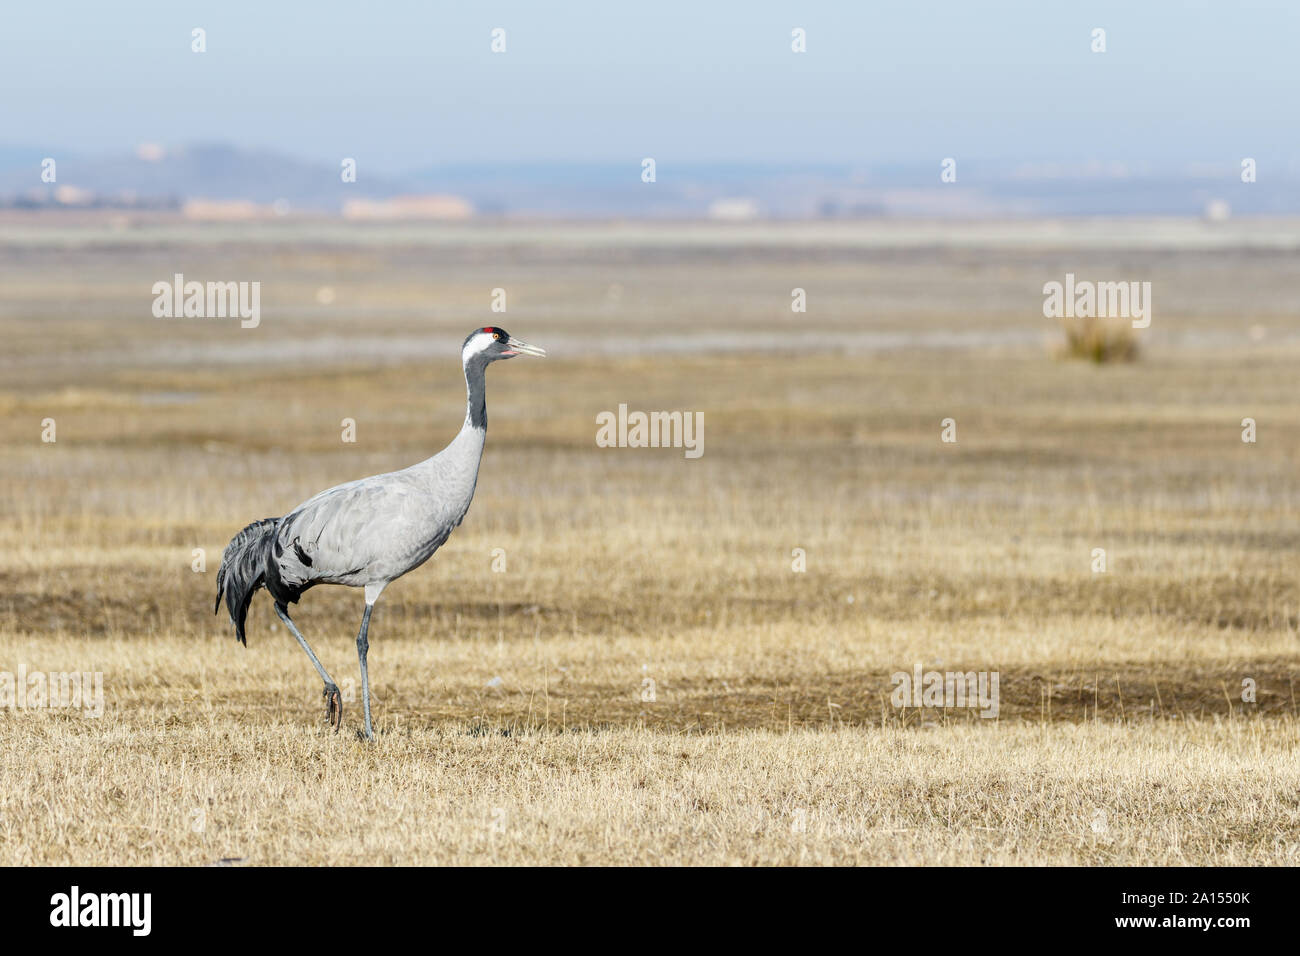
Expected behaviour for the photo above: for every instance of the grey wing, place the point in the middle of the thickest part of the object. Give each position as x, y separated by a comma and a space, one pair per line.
342, 534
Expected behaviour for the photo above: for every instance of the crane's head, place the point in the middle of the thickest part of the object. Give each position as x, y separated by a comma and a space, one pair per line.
491, 343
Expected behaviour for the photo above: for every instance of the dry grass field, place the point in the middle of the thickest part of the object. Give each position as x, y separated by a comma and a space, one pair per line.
513, 707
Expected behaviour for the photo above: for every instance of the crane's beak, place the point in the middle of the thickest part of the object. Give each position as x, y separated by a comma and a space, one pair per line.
517, 347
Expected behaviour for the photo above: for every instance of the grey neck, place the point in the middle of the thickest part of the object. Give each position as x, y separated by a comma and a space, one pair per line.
476, 394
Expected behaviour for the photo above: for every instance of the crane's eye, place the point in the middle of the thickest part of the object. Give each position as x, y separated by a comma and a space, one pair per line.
496, 335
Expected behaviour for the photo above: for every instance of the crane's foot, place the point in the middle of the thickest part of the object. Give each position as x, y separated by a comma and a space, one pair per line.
333, 706
367, 735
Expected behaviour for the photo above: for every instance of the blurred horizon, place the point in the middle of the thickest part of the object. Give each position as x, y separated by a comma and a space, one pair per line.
224, 181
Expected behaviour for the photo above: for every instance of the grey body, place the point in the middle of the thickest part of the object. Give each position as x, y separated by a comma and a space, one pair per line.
370, 532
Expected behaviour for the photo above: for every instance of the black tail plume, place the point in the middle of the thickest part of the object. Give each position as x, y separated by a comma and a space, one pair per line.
243, 570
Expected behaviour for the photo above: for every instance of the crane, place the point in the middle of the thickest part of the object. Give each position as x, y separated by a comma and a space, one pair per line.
366, 533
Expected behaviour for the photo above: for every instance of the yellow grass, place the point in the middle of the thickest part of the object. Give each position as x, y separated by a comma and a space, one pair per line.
649, 680
1099, 340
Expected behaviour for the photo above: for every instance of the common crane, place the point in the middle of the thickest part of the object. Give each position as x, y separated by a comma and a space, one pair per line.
366, 533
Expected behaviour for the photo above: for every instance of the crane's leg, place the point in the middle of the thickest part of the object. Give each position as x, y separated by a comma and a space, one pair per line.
363, 646
333, 699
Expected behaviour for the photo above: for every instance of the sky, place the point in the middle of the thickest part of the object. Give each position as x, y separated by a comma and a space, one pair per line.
408, 85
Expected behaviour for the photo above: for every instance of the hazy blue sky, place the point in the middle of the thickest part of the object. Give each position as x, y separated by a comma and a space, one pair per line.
408, 84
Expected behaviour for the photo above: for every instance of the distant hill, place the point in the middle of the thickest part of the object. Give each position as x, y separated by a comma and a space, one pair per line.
220, 172
200, 171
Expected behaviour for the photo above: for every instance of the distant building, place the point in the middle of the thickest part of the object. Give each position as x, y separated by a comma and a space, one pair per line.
409, 207
1218, 210
224, 210
733, 210
73, 196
